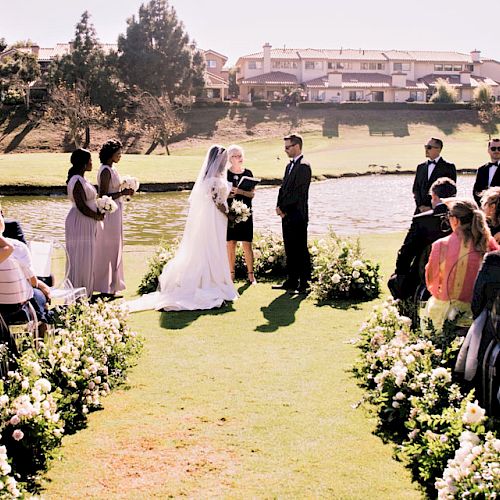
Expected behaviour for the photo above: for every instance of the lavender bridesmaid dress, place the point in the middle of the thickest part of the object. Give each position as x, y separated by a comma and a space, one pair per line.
108, 268
81, 234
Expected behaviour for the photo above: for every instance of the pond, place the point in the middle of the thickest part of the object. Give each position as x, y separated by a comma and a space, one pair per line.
350, 206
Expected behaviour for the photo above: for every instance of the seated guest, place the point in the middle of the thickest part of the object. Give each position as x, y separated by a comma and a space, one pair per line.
490, 203
425, 228
19, 283
454, 263
13, 229
487, 285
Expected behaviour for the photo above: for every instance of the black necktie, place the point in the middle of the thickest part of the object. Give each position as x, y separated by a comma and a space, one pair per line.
289, 167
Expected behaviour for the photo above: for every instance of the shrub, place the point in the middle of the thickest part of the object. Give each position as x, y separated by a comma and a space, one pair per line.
444, 93
164, 252
13, 96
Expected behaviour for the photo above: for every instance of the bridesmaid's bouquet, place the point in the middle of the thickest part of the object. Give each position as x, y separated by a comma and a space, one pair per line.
106, 205
129, 182
239, 211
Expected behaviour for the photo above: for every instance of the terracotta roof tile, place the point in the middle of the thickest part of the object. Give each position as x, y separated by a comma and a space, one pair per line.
364, 80
275, 77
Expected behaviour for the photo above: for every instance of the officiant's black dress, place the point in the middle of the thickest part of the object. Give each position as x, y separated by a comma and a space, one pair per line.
244, 230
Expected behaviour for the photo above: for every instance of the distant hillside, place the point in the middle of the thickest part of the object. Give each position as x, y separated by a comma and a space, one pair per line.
18, 134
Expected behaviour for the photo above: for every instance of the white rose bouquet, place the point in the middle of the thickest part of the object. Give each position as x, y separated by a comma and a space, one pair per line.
106, 205
239, 212
129, 182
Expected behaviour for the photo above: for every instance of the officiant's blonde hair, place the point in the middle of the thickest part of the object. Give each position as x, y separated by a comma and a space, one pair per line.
234, 148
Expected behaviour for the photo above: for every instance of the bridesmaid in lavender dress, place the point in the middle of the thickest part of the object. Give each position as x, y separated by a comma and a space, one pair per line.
81, 222
108, 269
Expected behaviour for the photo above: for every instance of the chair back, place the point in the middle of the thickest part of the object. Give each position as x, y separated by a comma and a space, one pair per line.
50, 260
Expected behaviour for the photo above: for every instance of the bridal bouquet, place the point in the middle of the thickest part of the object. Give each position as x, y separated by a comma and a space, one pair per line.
239, 211
129, 182
106, 205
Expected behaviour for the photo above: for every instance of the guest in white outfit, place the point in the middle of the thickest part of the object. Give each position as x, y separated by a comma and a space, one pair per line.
198, 276
81, 222
108, 272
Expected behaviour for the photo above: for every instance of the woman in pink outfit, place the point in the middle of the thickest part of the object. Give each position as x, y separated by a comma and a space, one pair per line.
108, 268
454, 263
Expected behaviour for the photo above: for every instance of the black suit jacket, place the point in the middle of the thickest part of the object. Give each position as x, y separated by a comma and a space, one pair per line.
481, 182
422, 185
294, 192
487, 284
425, 229
13, 230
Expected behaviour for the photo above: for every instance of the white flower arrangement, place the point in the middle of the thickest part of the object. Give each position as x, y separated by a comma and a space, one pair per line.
106, 205
240, 211
129, 182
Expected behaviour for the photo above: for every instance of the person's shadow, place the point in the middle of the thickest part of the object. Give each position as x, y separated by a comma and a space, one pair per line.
177, 320
280, 312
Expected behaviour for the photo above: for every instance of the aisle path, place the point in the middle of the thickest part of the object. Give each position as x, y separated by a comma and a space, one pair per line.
246, 402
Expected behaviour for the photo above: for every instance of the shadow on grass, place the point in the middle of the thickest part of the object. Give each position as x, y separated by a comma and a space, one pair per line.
177, 320
280, 312
343, 304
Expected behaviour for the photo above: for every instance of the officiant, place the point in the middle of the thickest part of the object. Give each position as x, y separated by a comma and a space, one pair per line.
243, 189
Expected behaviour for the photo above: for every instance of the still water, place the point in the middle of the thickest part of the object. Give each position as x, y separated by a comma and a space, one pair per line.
350, 206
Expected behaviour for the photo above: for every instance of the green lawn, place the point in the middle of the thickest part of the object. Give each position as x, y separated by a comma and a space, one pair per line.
252, 401
355, 148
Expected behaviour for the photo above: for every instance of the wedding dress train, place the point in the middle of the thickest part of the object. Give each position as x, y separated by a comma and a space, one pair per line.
198, 277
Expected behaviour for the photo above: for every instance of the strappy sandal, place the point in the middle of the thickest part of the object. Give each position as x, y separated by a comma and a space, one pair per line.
251, 278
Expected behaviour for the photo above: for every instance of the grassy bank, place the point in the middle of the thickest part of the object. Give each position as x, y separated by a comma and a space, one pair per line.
336, 142
247, 402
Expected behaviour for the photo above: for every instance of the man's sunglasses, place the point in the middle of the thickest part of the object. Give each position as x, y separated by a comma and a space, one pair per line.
494, 148
430, 146
290, 146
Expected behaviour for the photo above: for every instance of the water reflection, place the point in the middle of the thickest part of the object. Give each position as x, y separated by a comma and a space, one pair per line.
349, 205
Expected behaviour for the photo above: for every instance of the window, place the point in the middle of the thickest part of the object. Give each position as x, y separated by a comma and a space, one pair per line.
469, 67
401, 66
457, 67
339, 65
448, 67
373, 66
254, 64
314, 65
284, 65
355, 95
438, 67
211, 63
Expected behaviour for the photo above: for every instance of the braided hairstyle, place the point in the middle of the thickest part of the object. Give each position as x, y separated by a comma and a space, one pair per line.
472, 222
79, 160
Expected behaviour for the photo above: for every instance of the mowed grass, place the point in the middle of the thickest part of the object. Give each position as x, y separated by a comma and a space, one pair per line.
353, 149
251, 401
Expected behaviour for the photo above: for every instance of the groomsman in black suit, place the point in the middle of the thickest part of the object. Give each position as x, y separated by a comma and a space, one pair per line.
425, 229
428, 172
489, 174
292, 207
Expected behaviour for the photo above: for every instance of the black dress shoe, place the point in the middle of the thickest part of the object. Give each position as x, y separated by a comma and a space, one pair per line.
285, 286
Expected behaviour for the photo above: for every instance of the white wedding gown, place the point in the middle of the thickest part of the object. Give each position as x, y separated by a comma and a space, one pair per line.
198, 277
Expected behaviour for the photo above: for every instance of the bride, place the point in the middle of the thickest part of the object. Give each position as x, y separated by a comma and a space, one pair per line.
198, 276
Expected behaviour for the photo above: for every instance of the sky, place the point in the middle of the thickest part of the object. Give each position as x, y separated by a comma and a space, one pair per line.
236, 28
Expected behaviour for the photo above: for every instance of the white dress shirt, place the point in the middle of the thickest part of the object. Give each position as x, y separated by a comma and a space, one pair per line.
430, 168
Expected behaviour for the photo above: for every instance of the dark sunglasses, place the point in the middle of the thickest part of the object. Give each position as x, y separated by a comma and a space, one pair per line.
494, 148
290, 146
430, 146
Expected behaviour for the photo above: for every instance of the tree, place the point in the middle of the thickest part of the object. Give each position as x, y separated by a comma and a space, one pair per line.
158, 117
88, 63
444, 93
234, 89
72, 106
17, 71
156, 54
3, 44
488, 112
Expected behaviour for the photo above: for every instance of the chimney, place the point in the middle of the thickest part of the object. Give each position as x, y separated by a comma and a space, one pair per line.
465, 77
267, 57
398, 79
476, 55
35, 50
334, 79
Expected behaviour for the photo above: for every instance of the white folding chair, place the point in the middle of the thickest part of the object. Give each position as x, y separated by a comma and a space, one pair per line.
47, 254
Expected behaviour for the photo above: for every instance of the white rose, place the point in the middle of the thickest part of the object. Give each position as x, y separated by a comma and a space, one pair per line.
355, 274
336, 278
18, 434
473, 413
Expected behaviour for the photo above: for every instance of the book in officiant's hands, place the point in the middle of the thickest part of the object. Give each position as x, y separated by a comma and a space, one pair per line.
248, 183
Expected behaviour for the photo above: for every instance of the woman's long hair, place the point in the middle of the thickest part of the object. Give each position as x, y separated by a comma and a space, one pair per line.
79, 160
108, 149
492, 197
472, 222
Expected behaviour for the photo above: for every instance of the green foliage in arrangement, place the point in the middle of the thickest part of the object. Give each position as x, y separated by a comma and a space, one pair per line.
407, 376
339, 269
57, 384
